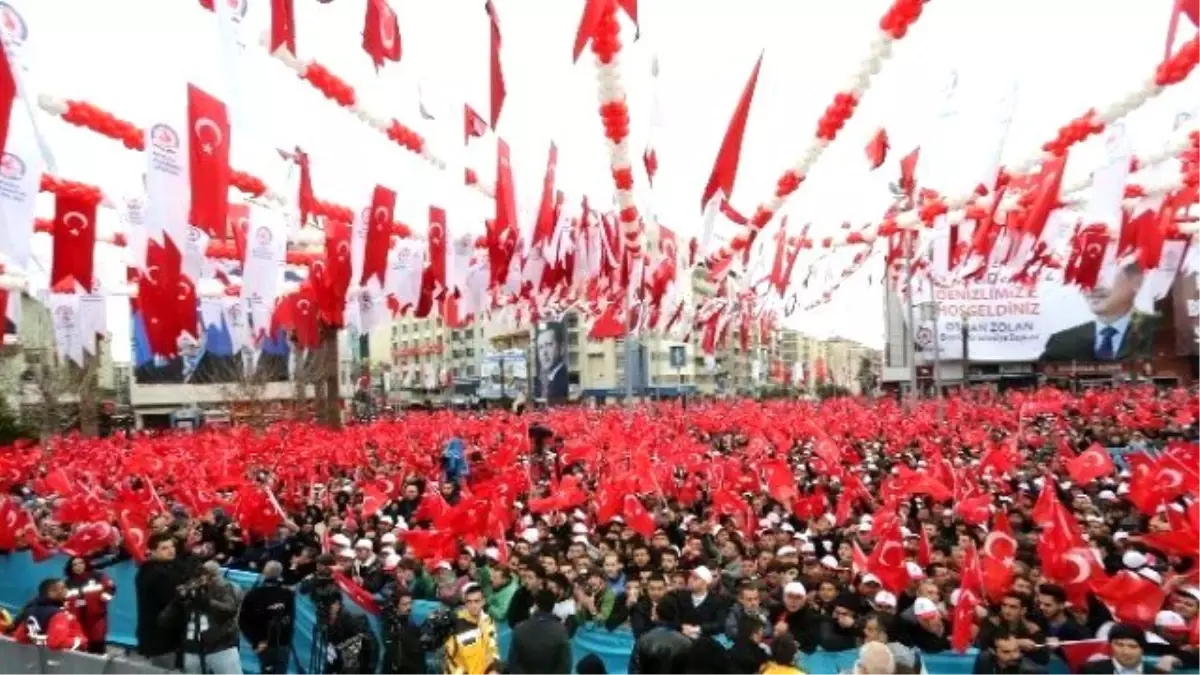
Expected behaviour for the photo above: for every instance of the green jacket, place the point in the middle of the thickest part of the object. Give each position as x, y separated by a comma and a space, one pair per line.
604, 607
499, 599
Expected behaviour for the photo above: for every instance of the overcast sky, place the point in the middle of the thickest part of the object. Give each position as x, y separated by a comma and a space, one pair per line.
131, 56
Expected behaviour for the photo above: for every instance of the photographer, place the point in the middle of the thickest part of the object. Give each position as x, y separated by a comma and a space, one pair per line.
267, 618
349, 645
209, 607
402, 649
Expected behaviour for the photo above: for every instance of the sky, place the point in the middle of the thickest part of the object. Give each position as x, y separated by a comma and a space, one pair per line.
133, 57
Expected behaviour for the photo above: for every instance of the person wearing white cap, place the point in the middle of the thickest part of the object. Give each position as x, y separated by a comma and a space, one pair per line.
794, 616
366, 570
1187, 603
931, 634
701, 612
339, 541
1133, 560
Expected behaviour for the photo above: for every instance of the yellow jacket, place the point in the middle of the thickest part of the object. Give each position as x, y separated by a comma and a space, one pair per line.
473, 646
773, 668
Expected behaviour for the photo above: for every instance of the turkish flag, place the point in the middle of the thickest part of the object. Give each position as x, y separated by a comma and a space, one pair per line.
283, 26
89, 539
724, 171
379, 235
543, 229
474, 126
8, 94
496, 75
373, 500
157, 287
877, 148
1131, 598
133, 537
1093, 463
1087, 256
208, 156
74, 243
381, 33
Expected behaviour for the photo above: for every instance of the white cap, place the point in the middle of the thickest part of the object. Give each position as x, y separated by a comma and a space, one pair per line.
391, 562
401, 524
579, 528
1120, 535
530, 535
618, 519
385, 518
830, 562
388, 538
1151, 574
704, 574
579, 539
1133, 559
385, 551
869, 578
808, 547
924, 608
443, 565
786, 550
1107, 495
794, 588
340, 541
885, 599
787, 527
907, 533
773, 518
492, 553
1123, 489
1170, 621
364, 543
864, 527
1190, 591
346, 553
947, 512
914, 570
578, 515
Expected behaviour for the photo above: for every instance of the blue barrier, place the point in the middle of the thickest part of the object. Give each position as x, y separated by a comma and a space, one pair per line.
19, 577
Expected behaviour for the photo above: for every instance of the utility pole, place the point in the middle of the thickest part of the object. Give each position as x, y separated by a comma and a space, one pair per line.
910, 346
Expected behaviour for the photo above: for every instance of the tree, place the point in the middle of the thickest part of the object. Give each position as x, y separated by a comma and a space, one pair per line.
867, 379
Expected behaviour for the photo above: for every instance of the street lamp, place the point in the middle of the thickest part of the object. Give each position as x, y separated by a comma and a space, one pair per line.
929, 314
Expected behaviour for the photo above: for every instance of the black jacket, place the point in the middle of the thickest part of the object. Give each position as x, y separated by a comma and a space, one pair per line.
402, 651
804, 626
709, 615
661, 650
520, 608
355, 649
540, 645
640, 620
209, 617
833, 638
985, 664
268, 615
746, 657
155, 586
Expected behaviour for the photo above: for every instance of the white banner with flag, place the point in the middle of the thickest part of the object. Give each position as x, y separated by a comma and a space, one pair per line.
266, 247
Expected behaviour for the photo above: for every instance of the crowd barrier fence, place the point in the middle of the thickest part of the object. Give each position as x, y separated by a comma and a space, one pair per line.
20, 575
23, 659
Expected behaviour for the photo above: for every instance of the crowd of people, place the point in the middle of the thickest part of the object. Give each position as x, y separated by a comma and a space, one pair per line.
727, 537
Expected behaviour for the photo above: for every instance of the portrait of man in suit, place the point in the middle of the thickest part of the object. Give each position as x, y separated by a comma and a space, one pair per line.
551, 363
1117, 330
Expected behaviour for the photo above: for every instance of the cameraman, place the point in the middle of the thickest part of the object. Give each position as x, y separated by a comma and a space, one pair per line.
268, 615
209, 605
402, 649
349, 644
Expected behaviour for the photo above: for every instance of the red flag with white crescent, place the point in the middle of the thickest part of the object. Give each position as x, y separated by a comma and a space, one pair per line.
724, 171
74, 239
498, 90
208, 157
381, 33
379, 234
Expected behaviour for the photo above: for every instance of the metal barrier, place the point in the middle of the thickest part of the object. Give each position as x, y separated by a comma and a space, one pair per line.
38, 660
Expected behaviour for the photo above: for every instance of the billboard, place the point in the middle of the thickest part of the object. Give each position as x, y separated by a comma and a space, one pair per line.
1186, 298
212, 361
550, 381
1119, 320
503, 374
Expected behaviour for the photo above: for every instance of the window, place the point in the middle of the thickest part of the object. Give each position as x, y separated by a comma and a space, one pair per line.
573, 360
470, 371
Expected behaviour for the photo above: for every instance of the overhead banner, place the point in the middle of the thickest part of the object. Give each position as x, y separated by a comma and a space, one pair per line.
1119, 320
550, 352
214, 360
503, 374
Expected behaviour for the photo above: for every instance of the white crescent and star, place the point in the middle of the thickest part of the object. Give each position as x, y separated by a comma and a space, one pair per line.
382, 216
1082, 563
387, 31
1173, 479
208, 147
72, 216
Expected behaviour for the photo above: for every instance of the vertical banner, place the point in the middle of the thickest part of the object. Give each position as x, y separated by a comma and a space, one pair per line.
1186, 299
550, 363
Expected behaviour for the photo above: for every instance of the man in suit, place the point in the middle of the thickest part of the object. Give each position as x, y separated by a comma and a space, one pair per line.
1118, 331
551, 364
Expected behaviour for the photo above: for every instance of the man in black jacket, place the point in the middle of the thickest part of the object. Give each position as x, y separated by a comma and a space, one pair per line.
532, 581
702, 611
349, 644
1004, 655
644, 614
155, 584
267, 618
662, 649
208, 605
402, 652
541, 644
